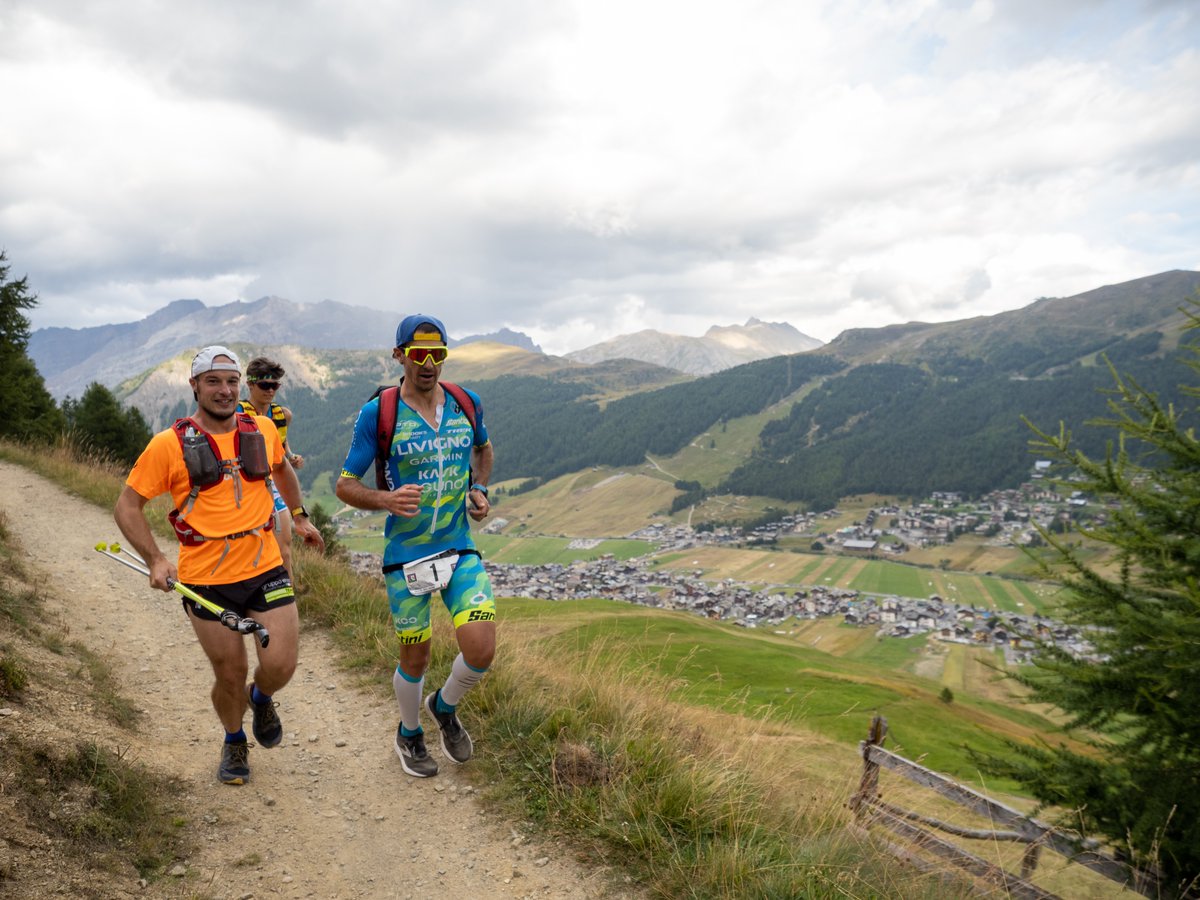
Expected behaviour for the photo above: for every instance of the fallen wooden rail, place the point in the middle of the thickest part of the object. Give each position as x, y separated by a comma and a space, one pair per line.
870, 809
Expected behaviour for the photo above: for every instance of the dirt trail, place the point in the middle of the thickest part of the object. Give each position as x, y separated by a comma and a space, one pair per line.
329, 812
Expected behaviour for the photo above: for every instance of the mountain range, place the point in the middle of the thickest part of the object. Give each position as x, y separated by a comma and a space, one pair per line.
900, 410
69, 359
721, 347
1025, 339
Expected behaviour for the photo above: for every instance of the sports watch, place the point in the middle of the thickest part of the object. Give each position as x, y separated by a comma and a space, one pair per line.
299, 511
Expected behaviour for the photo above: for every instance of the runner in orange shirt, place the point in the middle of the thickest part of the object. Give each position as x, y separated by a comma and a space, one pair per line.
218, 467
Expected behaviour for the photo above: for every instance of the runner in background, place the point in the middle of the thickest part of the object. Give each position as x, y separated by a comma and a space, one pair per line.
263, 378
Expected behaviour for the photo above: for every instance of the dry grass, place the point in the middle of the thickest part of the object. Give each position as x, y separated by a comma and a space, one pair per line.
608, 503
81, 472
1053, 873
693, 802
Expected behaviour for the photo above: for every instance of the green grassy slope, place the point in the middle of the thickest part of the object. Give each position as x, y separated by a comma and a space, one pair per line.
767, 677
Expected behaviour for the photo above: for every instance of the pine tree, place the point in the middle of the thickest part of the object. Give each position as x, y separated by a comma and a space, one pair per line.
1136, 700
29, 412
324, 523
99, 423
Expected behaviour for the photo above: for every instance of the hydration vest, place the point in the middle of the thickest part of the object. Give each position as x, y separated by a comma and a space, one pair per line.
274, 413
206, 469
389, 402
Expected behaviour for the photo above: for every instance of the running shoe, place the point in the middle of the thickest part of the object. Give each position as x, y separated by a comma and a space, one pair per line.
268, 730
414, 758
235, 763
456, 743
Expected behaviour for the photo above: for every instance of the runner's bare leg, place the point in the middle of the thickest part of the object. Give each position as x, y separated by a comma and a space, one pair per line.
277, 661
226, 652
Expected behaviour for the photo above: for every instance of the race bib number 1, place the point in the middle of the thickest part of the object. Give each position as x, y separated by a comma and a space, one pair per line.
430, 573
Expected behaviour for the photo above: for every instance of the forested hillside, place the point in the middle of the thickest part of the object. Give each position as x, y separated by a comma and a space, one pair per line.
907, 430
546, 426
538, 437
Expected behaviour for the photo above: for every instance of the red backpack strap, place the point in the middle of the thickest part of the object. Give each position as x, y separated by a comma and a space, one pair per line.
245, 423
463, 399
179, 426
389, 401
467, 405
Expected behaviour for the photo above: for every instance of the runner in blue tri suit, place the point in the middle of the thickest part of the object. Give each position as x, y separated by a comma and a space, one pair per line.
437, 474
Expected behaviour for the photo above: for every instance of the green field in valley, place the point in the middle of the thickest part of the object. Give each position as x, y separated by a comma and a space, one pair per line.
531, 551
524, 551
764, 676
890, 578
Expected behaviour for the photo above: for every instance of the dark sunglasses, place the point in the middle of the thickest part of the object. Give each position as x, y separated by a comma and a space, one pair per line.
266, 385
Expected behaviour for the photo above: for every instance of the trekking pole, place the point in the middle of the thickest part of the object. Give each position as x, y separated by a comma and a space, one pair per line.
228, 618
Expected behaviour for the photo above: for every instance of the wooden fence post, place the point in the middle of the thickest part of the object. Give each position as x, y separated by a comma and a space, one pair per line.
1029, 860
868, 785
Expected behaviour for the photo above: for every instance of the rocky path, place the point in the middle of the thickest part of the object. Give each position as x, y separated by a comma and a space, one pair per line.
328, 813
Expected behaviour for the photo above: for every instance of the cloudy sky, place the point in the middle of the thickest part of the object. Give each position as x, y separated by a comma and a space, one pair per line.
577, 170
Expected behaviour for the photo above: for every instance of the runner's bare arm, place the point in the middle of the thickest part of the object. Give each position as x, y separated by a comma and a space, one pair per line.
130, 516
404, 501
288, 486
482, 459
295, 459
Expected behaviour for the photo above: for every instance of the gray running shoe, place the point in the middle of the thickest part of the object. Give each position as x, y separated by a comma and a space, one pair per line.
414, 758
268, 730
456, 743
235, 763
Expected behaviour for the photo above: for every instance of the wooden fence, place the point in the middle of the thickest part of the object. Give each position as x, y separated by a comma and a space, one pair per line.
1007, 825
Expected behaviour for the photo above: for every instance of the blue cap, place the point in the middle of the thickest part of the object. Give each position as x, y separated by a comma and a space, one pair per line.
411, 324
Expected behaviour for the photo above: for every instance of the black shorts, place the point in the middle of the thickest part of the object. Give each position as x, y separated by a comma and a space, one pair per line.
260, 593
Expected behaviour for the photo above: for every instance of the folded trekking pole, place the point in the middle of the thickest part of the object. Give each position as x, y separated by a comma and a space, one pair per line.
228, 618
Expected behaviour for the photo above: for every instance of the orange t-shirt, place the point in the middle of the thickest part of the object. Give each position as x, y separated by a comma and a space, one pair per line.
160, 469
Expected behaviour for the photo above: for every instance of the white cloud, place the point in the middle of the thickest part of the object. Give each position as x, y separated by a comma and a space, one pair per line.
574, 170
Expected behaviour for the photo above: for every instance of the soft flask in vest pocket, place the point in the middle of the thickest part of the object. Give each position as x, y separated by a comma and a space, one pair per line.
253, 453
203, 467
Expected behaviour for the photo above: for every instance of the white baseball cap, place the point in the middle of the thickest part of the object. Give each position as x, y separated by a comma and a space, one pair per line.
206, 361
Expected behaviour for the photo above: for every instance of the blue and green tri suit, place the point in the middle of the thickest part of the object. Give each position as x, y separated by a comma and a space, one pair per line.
440, 461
